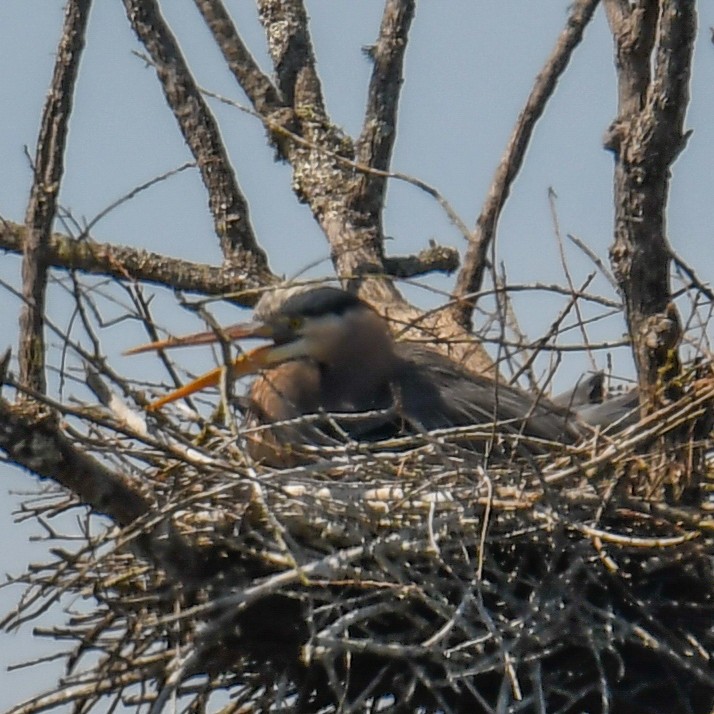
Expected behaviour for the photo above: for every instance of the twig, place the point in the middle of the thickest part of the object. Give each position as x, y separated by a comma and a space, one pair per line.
692, 275
566, 270
470, 277
132, 194
604, 271
553, 330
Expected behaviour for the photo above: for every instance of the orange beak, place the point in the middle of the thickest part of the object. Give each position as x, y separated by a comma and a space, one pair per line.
246, 363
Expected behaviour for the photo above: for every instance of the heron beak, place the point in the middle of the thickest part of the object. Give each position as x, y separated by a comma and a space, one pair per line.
246, 363
234, 332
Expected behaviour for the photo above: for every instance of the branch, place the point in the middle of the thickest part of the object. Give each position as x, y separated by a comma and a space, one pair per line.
262, 93
324, 166
320, 178
470, 278
379, 130
669, 95
126, 263
200, 131
30, 435
49, 167
646, 138
436, 258
633, 29
260, 90
290, 47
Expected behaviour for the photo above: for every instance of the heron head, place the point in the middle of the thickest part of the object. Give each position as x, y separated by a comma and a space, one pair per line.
315, 323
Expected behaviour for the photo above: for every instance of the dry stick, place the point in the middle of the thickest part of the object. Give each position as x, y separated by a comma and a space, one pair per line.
200, 131
595, 258
507, 319
73, 692
48, 169
694, 281
566, 270
142, 307
553, 330
544, 287
471, 275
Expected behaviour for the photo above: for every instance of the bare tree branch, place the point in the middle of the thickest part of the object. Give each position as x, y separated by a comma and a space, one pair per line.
470, 278
260, 90
126, 263
322, 178
49, 167
31, 437
228, 206
654, 45
290, 46
436, 258
379, 130
633, 28
319, 177
323, 162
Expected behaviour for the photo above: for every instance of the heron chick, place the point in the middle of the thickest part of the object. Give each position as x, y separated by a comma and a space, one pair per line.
332, 353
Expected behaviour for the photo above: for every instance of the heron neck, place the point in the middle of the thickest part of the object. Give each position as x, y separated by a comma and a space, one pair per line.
358, 376
354, 390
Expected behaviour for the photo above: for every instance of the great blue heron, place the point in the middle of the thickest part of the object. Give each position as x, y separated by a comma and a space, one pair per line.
332, 353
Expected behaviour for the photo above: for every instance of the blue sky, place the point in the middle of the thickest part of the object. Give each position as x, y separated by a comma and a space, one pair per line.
469, 68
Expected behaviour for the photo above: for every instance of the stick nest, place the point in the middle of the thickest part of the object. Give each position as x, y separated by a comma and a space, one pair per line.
417, 575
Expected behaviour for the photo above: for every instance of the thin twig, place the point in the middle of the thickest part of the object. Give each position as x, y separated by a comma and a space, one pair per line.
470, 277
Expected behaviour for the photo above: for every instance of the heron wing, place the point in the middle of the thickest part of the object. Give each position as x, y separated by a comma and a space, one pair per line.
438, 393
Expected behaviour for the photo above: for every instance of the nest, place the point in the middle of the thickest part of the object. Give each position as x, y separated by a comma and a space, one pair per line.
413, 576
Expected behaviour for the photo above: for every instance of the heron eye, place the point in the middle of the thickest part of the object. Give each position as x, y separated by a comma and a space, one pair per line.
295, 323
